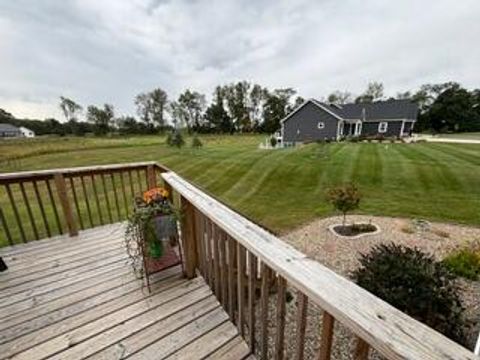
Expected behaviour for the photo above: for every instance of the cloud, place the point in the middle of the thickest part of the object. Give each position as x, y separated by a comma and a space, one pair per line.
109, 51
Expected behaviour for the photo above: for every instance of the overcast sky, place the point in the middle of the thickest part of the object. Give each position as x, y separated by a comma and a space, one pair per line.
98, 51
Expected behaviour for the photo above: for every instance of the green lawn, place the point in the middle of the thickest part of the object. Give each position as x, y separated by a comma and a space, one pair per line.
282, 189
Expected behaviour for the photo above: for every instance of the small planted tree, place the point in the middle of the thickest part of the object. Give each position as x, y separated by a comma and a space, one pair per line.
344, 198
196, 143
175, 139
415, 283
273, 141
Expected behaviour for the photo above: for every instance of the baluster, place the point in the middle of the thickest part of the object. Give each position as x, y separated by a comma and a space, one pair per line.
115, 196
107, 200
216, 260
252, 278
65, 203
151, 177
95, 192
231, 278
75, 201
146, 178
130, 180
301, 325
361, 350
265, 294
29, 211
241, 287
42, 209
223, 269
200, 242
54, 206
124, 193
279, 340
327, 337
139, 181
188, 238
208, 245
87, 202
15, 212
5, 226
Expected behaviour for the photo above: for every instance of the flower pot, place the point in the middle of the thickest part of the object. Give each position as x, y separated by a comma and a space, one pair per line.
165, 226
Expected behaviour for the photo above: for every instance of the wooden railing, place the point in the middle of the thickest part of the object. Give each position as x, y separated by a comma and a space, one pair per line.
38, 204
244, 264
234, 254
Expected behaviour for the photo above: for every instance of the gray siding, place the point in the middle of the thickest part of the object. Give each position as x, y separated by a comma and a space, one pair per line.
371, 128
303, 125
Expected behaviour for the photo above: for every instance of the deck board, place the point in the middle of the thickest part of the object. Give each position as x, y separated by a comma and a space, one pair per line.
77, 298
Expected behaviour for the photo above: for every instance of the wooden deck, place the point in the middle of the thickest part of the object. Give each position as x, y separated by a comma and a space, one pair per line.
76, 298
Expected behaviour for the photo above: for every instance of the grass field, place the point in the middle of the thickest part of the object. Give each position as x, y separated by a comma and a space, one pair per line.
282, 189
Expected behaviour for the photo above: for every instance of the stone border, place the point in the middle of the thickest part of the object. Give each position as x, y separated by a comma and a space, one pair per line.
332, 230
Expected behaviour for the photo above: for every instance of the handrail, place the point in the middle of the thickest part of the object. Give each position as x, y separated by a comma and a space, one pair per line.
6, 178
85, 196
379, 325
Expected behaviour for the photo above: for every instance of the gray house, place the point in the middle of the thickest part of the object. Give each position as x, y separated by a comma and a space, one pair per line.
314, 120
7, 130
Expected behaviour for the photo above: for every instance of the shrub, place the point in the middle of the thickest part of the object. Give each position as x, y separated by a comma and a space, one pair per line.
175, 138
196, 143
273, 141
344, 198
465, 263
416, 284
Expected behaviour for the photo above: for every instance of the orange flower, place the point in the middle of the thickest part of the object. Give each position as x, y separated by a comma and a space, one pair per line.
154, 194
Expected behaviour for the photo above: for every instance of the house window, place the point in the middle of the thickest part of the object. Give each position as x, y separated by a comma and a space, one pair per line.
382, 127
321, 125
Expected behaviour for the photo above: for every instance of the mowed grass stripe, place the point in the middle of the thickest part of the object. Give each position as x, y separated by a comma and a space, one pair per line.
281, 189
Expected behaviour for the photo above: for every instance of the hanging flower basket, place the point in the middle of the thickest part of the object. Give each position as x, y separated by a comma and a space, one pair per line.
151, 234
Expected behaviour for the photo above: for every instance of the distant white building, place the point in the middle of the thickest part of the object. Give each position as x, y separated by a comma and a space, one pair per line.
10, 131
26, 132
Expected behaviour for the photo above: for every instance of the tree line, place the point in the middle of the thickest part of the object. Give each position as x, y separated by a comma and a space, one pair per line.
244, 107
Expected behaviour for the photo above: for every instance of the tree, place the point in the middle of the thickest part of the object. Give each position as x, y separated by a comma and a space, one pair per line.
216, 116
237, 101
101, 118
454, 109
276, 107
69, 108
192, 105
128, 125
373, 93
177, 113
406, 95
151, 107
344, 198
339, 97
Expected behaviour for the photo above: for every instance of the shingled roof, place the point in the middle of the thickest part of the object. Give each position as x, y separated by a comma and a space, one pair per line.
8, 127
379, 110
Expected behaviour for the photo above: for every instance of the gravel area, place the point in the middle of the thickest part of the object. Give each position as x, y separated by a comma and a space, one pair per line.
341, 255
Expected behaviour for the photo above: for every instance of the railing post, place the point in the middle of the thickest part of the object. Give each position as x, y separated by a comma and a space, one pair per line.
188, 238
151, 177
65, 203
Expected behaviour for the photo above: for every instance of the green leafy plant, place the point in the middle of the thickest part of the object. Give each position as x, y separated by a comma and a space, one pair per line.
464, 263
344, 198
175, 139
415, 283
273, 141
141, 227
196, 143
